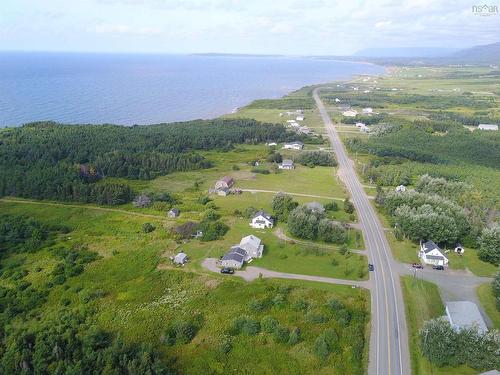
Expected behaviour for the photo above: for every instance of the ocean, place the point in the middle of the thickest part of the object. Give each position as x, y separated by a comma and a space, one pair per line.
127, 89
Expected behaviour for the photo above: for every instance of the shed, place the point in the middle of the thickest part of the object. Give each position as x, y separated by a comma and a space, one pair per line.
174, 212
181, 258
465, 314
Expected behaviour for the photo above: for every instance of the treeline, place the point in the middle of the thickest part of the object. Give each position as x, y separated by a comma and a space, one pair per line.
66, 162
419, 143
313, 158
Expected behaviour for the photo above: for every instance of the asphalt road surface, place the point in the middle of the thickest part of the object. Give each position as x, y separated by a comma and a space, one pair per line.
389, 353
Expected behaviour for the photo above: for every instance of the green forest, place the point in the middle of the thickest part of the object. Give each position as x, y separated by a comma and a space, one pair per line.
71, 162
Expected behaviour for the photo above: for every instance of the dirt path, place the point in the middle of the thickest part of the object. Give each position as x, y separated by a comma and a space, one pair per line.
287, 192
87, 207
251, 273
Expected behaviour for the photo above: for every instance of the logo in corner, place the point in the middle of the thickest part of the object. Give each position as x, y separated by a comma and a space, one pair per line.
485, 10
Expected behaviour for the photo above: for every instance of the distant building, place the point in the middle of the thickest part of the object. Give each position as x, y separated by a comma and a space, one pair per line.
364, 129
300, 118
223, 192
360, 124
349, 113
316, 207
430, 253
367, 110
297, 145
286, 164
400, 189
272, 144
487, 127
181, 258
337, 100
465, 314
262, 220
234, 258
174, 212
224, 182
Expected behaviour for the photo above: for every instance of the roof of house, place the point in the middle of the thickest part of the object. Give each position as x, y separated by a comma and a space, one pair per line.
465, 314
458, 244
180, 257
174, 211
295, 143
488, 126
437, 257
315, 206
264, 214
226, 179
429, 246
287, 162
250, 242
235, 253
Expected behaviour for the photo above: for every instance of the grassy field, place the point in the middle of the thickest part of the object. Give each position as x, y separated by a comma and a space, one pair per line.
140, 301
422, 302
485, 294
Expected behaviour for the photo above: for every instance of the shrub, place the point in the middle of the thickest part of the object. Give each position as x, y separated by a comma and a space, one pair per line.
348, 206
331, 206
281, 334
261, 171
489, 245
496, 289
282, 205
180, 332
269, 324
213, 230
313, 158
294, 336
148, 227
245, 325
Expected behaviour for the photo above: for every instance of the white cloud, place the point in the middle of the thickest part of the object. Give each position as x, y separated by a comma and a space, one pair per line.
383, 24
124, 29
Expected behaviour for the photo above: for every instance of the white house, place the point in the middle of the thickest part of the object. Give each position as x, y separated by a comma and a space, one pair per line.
287, 164
360, 125
304, 130
262, 220
364, 129
299, 118
253, 246
181, 258
337, 100
290, 121
430, 253
297, 145
316, 207
224, 183
234, 258
465, 314
487, 127
400, 189
174, 212
368, 110
349, 113
272, 144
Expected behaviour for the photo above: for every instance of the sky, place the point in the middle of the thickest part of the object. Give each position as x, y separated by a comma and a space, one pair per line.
291, 27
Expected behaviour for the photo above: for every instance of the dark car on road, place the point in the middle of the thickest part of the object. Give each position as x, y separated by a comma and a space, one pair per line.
227, 270
439, 268
417, 265
370, 267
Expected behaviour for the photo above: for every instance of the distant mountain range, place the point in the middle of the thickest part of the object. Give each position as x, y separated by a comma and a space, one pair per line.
478, 55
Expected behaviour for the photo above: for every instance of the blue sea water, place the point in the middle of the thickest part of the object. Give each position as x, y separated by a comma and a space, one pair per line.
146, 89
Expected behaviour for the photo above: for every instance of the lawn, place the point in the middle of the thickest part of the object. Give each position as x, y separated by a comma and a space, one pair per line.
471, 261
404, 251
422, 302
140, 301
485, 294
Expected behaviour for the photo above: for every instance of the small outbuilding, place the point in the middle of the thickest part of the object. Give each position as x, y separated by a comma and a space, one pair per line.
316, 207
400, 189
181, 258
349, 113
223, 192
367, 110
286, 164
487, 127
174, 212
459, 249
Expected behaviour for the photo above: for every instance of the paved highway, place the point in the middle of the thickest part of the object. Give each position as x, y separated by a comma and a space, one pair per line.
389, 353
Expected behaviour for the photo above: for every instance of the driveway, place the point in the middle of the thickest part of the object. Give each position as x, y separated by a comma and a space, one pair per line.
251, 273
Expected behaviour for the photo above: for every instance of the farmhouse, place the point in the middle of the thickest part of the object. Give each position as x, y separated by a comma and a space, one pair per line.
181, 258
337, 100
367, 110
300, 118
297, 145
286, 164
430, 253
224, 182
223, 192
400, 189
349, 113
253, 246
487, 127
262, 220
234, 258
174, 212
465, 314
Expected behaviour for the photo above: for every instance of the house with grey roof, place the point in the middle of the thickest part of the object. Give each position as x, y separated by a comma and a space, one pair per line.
487, 127
297, 145
253, 246
430, 253
181, 258
316, 207
234, 258
174, 212
465, 314
262, 220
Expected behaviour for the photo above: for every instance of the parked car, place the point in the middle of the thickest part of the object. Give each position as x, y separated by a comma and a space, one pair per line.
439, 268
227, 270
417, 265
370, 267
